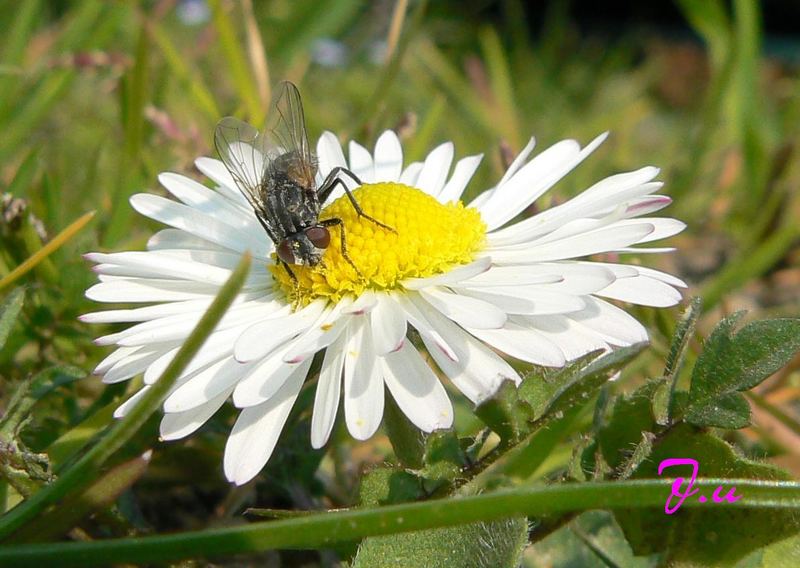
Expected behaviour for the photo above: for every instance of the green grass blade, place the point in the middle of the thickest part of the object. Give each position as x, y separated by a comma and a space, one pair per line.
9, 312
237, 62
324, 529
48, 249
85, 470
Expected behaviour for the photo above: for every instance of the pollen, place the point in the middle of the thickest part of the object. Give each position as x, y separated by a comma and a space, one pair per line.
428, 238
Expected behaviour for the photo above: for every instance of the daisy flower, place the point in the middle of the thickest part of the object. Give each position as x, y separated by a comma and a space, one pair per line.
475, 285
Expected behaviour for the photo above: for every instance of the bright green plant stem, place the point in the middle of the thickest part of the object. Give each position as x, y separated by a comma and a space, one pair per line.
88, 468
324, 529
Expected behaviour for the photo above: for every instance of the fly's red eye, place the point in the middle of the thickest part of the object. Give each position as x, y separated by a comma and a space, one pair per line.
319, 237
285, 252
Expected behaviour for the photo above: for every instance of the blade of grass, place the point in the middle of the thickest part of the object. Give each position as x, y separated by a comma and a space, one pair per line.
258, 55
237, 62
86, 469
192, 82
325, 529
9, 312
48, 249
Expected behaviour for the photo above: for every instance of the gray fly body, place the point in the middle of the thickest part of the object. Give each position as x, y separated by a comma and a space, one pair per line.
276, 171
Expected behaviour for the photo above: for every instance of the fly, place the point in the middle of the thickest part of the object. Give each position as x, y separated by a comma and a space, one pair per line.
276, 172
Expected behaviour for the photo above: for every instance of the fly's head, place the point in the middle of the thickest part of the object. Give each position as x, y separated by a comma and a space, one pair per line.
305, 247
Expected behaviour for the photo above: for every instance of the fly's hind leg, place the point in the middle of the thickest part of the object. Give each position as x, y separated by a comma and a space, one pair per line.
335, 221
333, 179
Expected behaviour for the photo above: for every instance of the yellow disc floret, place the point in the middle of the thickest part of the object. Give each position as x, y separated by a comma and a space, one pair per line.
429, 238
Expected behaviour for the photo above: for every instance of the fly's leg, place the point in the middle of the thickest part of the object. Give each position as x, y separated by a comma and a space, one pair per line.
335, 221
288, 270
333, 179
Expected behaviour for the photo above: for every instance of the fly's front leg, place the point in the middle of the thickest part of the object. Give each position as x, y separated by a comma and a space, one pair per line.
335, 221
333, 179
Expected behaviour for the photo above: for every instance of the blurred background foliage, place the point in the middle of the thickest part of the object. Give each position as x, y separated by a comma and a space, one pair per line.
97, 98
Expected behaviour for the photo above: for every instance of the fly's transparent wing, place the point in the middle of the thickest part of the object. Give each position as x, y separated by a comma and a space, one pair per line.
288, 129
246, 153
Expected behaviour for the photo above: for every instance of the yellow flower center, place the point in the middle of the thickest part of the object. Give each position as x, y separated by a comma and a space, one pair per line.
429, 238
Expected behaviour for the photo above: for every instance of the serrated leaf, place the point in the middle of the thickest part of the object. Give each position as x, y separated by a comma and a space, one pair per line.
384, 485
588, 380
504, 414
734, 362
593, 540
9, 313
681, 337
716, 536
730, 411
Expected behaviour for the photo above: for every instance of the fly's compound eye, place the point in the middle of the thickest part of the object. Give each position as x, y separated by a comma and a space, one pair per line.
285, 252
319, 237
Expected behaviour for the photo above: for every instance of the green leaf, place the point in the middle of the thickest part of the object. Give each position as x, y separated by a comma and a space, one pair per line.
31, 391
631, 417
704, 535
734, 362
576, 386
504, 414
407, 440
9, 312
385, 485
498, 544
593, 540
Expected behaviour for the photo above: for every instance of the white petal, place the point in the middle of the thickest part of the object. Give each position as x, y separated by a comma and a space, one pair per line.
519, 161
534, 179
153, 264
524, 344
417, 390
435, 169
605, 239
530, 300
388, 157
216, 171
203, 199
256, 432
177, 425
361, 162
479, 371
643, 291
263, 337
321, 334
115, 357
199, 224
329, 387
364, 304
363, 387
411, 174
469, 312
571, 338
126, 406
266, 378
455, 275
462, 174
132, 365
597, 201
131, 290
611, 323
207, 385
177, 239
515, 276
388, 325
329, 153
416, 317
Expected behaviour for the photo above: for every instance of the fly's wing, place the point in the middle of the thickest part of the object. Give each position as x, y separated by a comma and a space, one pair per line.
288, 130
246, 153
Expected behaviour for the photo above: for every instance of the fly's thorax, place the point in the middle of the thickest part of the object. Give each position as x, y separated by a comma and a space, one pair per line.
296, 168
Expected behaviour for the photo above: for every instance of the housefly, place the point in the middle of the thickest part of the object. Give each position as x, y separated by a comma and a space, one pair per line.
276, 172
